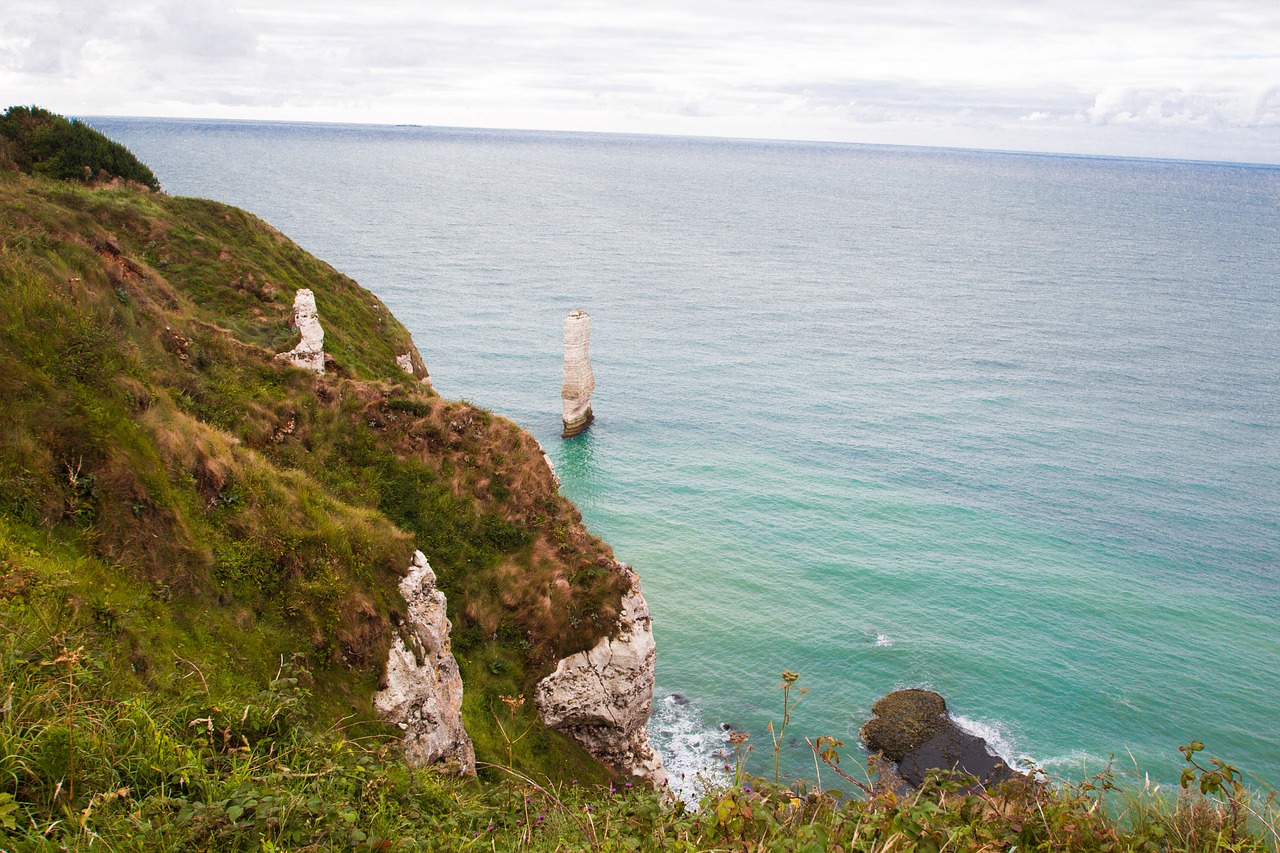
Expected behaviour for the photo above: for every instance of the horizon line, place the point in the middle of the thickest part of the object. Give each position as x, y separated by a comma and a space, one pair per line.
698, 137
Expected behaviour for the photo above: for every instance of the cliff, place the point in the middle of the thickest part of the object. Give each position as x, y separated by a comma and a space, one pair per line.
602, 697
233, 517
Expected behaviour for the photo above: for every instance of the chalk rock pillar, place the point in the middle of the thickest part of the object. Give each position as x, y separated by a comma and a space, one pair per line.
602, 697
309, 353
423, 695
579, 383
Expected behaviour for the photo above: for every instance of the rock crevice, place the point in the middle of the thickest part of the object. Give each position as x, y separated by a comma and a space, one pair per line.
423, 693
602, 697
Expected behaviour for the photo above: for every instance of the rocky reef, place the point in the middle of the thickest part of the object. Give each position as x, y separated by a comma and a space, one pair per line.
912, 729
309, 353
579, 382
423, 693
602, 697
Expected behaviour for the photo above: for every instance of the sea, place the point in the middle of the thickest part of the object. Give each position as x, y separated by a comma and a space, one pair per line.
1001, 425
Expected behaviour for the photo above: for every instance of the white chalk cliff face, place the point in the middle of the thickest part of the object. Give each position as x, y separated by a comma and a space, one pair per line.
579, 382
309, 353
602, 697
423, 695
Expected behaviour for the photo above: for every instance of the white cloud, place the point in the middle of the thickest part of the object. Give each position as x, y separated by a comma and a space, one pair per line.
1179, 107
1049, 75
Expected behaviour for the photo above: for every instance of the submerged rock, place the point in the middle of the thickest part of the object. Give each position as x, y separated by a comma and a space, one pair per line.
579, 382
423, 695
602, 697
912, 729
309, 353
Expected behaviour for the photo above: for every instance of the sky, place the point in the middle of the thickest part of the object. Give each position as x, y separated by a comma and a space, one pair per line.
1183, 79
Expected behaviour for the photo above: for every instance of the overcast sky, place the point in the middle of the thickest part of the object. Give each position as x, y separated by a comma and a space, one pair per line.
1196, 79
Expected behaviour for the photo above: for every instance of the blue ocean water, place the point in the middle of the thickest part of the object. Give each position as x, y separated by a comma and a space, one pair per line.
1002, 425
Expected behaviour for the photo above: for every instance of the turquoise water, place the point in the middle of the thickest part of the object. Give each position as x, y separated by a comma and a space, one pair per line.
1002, 425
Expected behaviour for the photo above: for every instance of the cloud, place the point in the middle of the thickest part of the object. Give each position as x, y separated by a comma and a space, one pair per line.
1122, 105
931, 71
198, 30
47, 39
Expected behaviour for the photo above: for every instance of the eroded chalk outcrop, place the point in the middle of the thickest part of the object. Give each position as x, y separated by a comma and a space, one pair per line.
579, 382
412, 364
309, 353
602, 697
423, 694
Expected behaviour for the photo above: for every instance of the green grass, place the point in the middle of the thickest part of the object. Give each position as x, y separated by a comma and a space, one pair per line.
200, 548
132, 724
148, 419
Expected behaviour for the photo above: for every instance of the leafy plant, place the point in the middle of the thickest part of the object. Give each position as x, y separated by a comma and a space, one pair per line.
41, 142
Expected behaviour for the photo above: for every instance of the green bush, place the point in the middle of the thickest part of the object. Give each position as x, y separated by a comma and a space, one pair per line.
44, 143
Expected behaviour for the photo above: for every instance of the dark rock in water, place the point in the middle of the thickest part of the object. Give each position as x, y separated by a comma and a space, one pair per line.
904, 720
679, 699
912, 729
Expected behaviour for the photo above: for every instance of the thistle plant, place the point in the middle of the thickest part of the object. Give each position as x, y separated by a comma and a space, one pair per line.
788, 687
513, 703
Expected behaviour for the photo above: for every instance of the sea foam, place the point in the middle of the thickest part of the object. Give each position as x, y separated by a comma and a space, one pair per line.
695, 754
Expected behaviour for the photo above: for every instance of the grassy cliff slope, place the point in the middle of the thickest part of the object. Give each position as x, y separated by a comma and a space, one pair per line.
209, 508
199, 553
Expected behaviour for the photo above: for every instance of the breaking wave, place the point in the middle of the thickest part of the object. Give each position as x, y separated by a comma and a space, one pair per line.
693, 752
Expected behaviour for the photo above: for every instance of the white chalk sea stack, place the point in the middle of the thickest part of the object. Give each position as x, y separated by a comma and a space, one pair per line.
309, 353
423, 695
579, 382
602, 697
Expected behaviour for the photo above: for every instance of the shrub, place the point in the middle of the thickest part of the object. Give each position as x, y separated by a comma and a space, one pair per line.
44, 143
